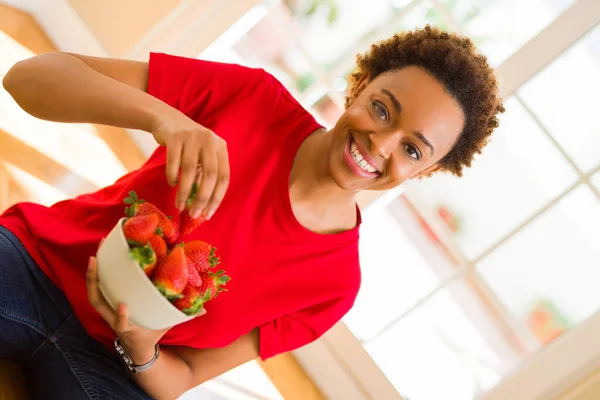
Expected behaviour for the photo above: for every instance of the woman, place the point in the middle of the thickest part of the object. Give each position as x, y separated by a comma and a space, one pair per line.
276, 189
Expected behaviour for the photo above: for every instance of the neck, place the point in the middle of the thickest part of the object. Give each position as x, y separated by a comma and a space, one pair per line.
311, 185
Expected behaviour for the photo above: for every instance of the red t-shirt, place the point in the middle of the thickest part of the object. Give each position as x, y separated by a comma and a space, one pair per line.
292, 283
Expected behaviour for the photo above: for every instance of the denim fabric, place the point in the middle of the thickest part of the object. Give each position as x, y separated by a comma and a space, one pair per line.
39, 330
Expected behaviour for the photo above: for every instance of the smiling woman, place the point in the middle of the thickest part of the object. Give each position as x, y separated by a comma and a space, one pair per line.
421, 102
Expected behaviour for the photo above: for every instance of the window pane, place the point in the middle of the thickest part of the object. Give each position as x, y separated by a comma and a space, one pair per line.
518, 172
564, 97
487, 22
449, 348
266, 38
551, 267
327, 40
422, 14
395, 272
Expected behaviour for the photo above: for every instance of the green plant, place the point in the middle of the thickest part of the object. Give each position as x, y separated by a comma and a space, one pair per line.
315, 5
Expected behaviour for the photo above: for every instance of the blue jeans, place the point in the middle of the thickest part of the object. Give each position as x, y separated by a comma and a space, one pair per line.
39, 330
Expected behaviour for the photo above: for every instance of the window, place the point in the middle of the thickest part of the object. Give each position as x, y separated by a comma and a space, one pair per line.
564, 97
550, 267
499, 27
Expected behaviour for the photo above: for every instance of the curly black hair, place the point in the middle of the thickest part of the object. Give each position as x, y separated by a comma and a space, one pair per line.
456, 63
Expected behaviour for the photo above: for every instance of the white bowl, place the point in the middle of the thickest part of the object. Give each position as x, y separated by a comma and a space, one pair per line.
122, 280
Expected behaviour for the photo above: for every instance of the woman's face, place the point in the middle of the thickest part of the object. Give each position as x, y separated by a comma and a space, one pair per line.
399, 126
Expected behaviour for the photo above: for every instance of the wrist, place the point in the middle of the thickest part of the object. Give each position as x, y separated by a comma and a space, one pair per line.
139, 355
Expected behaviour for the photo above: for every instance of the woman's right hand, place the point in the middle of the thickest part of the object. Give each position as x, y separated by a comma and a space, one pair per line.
201, 156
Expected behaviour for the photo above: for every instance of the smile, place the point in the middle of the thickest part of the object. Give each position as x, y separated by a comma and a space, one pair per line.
359, 161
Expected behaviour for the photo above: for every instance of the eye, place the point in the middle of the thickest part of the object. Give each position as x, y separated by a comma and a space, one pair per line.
412, 151
380, 110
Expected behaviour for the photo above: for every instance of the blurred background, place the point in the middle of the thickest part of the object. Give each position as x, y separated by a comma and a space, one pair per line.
485, 287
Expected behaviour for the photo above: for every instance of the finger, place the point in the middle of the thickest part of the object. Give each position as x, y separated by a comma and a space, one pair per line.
221, 186
189, 170
173, 161
95, 296
210, 169
122, 319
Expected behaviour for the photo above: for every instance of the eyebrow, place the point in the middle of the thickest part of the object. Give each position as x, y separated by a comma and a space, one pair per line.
398, 108
393, 98
423, 139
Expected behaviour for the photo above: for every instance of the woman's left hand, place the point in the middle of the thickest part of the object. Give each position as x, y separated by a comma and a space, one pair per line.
138, 342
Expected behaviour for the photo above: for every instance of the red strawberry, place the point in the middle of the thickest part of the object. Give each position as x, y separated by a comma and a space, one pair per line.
187, 224
171, 274
141, 228
191, 302
159, 246
212, 284
138, 206
194, 278
146, 257
201, 255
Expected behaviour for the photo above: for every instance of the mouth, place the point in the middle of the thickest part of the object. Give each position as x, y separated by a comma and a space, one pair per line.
359, 161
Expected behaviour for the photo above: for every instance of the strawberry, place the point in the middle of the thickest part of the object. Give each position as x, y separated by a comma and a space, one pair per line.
191, 302
140, 229
194, 278
187, 224
146, 257
138, 206
171, 274
212, 284
159, 246
201, 255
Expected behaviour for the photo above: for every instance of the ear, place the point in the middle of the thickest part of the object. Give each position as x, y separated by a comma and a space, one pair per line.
427, 172
359, 87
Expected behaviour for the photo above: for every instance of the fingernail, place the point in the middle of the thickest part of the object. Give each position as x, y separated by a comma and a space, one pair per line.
195, 214
181, 206
209, 214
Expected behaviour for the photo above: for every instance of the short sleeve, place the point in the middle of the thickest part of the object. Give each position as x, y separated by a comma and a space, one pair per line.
199, 88
300, 328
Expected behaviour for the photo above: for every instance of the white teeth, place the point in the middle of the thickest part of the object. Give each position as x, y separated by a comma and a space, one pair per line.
359, 160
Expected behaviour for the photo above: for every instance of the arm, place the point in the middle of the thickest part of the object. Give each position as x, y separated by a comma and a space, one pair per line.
184, 368
75, 88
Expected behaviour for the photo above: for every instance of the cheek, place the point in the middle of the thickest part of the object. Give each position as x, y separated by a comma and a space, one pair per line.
400, 170
357, 117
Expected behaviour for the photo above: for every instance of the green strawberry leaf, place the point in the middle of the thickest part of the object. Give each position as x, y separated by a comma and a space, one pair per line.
133, 195
133, 243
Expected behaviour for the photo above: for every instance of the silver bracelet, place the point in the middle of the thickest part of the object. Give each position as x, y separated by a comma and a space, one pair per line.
134, 369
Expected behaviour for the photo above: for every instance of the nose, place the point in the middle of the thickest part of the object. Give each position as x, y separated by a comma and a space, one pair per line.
383, 144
